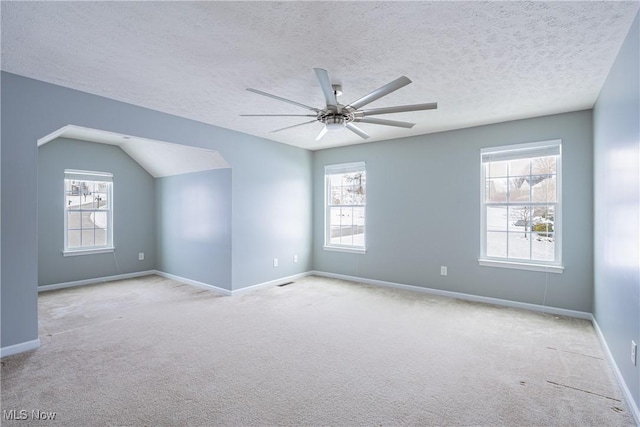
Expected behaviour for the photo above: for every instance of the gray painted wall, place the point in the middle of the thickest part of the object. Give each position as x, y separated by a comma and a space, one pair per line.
271, 203
423, 211
194, 226
271, 208
19, 291
616, 123
133, 216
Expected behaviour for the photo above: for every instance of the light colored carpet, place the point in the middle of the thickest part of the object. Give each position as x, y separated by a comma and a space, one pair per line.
154, 352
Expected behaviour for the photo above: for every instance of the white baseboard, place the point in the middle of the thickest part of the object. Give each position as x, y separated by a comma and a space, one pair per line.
196, 283
233, 292
460, 295
450, 294
19, 348
616, 371
192, 282
271, 283
45, 288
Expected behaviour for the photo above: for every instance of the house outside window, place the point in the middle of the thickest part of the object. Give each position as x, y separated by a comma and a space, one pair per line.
345, 207
521, 208
88, 212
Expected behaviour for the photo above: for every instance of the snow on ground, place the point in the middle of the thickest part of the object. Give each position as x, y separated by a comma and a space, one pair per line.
508, 240
99, 219
504, 240
355, 240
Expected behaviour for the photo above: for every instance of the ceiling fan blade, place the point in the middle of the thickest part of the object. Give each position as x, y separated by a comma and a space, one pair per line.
279, 98
355, 129
385, 122
385, 90
278, 115
400, 109
327, 89
321, 134
289, 127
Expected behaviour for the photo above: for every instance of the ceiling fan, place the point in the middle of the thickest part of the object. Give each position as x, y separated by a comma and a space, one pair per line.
336, 116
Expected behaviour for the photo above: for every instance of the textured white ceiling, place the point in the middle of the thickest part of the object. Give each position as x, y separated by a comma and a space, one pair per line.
483, 62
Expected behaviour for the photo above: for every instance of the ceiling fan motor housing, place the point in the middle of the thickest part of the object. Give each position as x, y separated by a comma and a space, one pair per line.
335, 120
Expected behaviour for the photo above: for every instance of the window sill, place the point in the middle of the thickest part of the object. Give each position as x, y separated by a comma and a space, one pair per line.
353, 250
558, 269
88, 251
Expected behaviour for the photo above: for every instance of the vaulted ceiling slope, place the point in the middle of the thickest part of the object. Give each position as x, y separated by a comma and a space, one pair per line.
483, 62
159, 158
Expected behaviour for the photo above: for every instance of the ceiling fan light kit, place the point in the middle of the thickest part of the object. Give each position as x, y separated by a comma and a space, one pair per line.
334, 122
336, 116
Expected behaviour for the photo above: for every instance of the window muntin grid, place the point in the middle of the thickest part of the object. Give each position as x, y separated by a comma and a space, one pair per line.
521, 204
88, 211
345, 207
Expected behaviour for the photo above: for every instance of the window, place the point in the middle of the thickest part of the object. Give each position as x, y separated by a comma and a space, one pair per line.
88, 215
345, 201
521, 206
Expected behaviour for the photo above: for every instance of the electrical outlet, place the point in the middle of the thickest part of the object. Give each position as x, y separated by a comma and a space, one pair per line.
295, 258
634, 353
443, 270
141, 256
275, 262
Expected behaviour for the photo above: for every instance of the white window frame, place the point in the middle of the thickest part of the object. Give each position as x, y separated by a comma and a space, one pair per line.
525, 150
72, 174
334, 170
